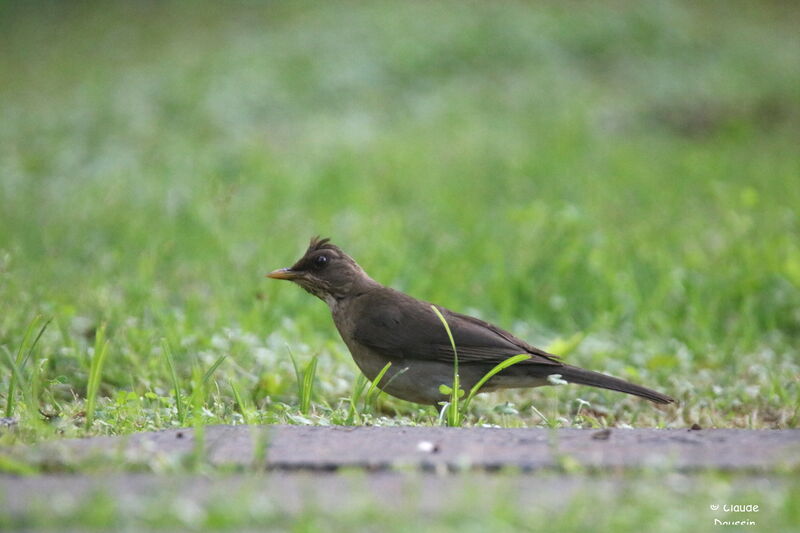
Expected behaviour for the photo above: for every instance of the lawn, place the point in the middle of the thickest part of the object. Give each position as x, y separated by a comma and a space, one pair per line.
617, 182
657, 502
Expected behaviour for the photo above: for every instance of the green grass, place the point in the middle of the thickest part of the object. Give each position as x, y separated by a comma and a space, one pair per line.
17, 364
96, 372
652, 502
616, 182
619, 184
305, 382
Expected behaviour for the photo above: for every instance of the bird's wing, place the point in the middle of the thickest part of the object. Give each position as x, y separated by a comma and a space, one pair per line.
399, 326
477, 336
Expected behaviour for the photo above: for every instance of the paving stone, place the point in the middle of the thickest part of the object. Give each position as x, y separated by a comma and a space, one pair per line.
318, 448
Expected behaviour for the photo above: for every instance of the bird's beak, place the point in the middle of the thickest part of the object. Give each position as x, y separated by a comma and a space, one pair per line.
283, 273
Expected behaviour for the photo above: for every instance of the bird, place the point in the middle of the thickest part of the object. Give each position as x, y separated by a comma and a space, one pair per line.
380, 325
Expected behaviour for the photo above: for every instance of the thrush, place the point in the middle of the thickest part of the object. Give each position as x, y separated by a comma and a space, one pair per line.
380, 325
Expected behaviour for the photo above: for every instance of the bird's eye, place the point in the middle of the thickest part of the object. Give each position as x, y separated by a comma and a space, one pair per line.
320, 261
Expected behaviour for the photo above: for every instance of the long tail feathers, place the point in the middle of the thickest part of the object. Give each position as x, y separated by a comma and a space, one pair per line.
573, 374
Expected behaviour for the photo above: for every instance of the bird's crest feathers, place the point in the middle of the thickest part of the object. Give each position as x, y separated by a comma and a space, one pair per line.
317, 243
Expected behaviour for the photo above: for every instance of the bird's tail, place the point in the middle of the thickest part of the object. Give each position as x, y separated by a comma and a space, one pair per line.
573, 374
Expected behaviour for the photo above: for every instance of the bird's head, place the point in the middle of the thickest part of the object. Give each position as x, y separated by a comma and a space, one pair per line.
325, 271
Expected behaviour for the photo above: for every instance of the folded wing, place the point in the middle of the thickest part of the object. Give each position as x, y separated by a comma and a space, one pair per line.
401, 327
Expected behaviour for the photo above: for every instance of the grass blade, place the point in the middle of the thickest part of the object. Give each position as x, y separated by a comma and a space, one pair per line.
499, 367
297, 374
371, 396
355, 396
35, 342
175, 385
296, 368
308, 385
238, 399
21, 359
388, 382
213, 368
453, 412
95, 373
305, 381
16, 373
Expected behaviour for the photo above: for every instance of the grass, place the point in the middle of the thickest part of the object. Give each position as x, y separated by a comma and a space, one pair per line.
305, 382
17, 364
618, 186
654, 502
450, 410
615, 185
176, 387
96, 373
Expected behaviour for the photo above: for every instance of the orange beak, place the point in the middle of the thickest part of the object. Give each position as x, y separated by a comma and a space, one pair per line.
283, 273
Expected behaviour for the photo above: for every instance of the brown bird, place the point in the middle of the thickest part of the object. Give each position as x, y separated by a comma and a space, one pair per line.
381, 325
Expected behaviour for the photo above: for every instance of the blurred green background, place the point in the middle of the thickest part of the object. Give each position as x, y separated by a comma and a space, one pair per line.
617, 181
